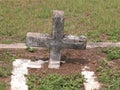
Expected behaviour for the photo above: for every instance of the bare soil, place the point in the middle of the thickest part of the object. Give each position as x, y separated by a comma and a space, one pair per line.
74, 59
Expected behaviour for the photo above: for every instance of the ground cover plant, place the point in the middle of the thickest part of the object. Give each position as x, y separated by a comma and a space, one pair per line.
109, 77
6, 64
108, 74
55, 82
6, 59
2, 86
97, 19
112, 53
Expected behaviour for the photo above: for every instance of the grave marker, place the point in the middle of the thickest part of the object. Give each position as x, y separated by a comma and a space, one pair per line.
57, 40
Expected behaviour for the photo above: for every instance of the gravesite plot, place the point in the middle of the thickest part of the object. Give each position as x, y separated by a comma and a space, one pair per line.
66, 62
59, 60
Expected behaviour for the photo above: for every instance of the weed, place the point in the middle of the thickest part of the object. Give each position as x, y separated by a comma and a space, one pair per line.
8, 41
6, 59
2, 86
29, 49
112, 53
108, 76
5, 71
55, 82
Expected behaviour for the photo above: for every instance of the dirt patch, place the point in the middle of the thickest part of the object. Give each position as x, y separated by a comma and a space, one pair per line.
115, 64
74, 59
6, 80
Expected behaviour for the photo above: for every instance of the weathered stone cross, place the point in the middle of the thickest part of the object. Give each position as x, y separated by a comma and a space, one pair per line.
56, 41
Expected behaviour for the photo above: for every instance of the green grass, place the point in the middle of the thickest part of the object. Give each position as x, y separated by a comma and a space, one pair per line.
6, 59
30, 49
5, 71
55, 82
2, 86
108, 76
112, 53
99, 20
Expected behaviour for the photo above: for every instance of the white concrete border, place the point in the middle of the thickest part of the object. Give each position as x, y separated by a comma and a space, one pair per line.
90, 82
14, 46
103, 44
89, 45
18, 79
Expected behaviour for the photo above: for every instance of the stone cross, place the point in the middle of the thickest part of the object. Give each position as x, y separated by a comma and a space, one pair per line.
57, 40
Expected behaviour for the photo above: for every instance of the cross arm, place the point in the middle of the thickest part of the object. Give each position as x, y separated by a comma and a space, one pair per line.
74, 42
44, 40
37, 40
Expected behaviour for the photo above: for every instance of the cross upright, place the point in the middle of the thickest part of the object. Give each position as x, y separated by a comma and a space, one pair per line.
56, 41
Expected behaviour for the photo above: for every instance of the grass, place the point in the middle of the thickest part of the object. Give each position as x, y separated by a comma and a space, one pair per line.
6, 66
5, 71
6, 59
2, 86
30, 49
112, 53
55, 82
97, 19
108, 76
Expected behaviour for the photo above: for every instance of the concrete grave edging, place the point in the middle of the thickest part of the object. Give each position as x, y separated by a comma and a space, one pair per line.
89, 45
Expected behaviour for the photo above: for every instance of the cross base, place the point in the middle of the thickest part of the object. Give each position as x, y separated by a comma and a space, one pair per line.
54, 64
